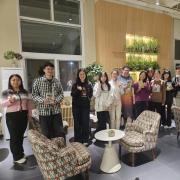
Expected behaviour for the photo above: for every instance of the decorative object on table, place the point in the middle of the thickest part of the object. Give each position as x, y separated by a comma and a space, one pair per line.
13, 56
111, 133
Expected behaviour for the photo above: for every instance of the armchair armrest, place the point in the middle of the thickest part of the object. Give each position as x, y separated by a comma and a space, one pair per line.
59, 141
146, 133
66, 161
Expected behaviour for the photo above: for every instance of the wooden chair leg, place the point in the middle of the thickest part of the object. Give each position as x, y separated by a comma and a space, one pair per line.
133, 159
177, 135
153, 153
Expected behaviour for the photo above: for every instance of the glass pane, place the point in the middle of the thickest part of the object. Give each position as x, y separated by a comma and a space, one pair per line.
34, 70
68, 72
67, 11
35, 8
44, 38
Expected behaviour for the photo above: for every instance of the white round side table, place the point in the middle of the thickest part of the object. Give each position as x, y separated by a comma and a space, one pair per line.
110, 160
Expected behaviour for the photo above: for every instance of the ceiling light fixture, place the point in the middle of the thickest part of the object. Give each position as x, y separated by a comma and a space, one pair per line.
157, 2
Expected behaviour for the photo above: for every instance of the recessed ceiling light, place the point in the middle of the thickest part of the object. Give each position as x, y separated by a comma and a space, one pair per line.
70, 19
157, 2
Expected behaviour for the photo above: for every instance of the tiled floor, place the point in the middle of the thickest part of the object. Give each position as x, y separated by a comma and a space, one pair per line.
165, 166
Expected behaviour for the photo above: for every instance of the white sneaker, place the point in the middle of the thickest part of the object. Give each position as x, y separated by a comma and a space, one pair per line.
20, 161
93, 140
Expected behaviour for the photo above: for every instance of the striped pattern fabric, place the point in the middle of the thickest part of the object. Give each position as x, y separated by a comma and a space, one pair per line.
141, 134
57, 161
42, 87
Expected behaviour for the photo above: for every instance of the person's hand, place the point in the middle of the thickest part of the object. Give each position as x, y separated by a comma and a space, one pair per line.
79, 88
11, 99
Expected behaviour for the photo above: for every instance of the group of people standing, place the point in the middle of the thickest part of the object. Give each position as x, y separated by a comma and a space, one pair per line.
115, 99
121, 98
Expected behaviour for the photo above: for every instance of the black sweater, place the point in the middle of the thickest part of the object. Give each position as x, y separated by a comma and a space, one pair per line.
81, 98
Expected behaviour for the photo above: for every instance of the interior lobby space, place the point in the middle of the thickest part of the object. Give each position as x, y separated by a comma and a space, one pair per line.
111, 74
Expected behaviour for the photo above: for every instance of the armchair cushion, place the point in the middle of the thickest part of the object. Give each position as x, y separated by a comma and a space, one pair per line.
133, 138
81, 152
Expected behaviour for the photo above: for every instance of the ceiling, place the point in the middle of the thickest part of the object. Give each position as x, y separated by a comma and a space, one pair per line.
173, 4
170, 7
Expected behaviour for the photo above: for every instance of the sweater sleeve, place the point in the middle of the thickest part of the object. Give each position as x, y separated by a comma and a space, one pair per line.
163, 93
5, 103
97, 89
74, 91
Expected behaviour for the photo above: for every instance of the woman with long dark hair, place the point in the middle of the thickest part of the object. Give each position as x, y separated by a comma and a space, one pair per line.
166, 76
142, 91
81, 93
18, 110
158, 95
103, 100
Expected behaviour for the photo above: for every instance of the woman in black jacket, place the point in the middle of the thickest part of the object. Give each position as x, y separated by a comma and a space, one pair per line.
81, 95
166, 76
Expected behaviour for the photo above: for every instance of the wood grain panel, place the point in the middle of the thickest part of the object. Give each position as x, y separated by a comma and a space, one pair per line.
113, 21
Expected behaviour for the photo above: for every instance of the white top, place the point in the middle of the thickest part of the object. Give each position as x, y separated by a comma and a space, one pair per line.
117, 90
103, 135
103, 98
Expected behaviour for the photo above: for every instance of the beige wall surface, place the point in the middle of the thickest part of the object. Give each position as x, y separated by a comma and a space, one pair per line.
9, 33
89, 32
113, 21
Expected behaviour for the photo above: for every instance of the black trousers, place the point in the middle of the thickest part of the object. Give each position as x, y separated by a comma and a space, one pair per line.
81, 124
17, 124
52, 126
167, 114
155, 106
103, 118
140, 106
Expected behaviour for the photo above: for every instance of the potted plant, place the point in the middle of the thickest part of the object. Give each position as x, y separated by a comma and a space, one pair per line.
13, 56
92, 71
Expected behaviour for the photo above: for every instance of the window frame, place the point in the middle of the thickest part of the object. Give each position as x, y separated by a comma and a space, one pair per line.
55, 57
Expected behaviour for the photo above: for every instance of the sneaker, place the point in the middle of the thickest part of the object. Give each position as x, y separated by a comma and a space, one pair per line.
93, 140
25, 157
85, 144
20, 161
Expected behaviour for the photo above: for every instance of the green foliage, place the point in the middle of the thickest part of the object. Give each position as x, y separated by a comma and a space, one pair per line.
141, 46
139, 64
12, 55
92, 71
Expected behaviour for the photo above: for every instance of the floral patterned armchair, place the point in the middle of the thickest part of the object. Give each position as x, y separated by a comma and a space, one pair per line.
176, 111
141, 134
56, 160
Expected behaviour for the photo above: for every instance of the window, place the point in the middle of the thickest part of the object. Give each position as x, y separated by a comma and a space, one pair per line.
34, 70
35, 8
68, 72
67, 11
44, 38
177, 49
51, 31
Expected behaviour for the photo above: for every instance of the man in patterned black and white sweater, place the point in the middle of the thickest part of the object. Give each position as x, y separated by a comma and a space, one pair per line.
47, 93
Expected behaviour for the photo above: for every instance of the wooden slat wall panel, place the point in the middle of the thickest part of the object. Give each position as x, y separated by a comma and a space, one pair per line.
113, 21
